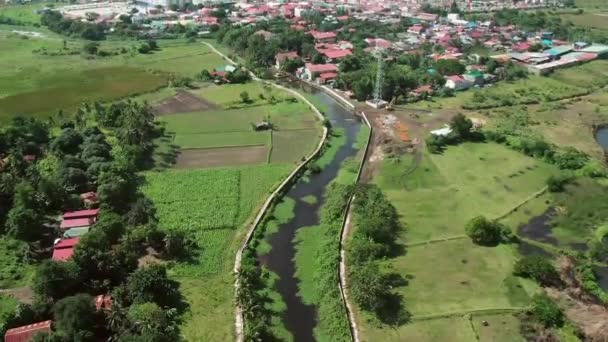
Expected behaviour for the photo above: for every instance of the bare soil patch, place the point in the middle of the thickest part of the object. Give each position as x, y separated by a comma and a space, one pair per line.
222, 156
182, 102
22, 294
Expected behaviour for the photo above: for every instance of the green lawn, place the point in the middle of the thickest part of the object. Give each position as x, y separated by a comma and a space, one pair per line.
455, 329
466, 180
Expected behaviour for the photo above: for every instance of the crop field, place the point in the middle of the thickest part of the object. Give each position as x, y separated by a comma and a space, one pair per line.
295, 130
592, 4
448, 189
212, 206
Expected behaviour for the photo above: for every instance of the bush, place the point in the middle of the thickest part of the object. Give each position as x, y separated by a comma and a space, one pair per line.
546, 311
485, 232
557, 183
537, 268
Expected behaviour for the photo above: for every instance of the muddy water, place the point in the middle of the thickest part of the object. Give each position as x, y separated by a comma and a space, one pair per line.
601, 136
601, 274
299, 318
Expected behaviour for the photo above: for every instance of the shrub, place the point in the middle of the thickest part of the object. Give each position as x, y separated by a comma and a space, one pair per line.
537, 268
485, 232
546, 311
557, 183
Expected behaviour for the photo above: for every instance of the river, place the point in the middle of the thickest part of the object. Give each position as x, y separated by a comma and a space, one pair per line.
299, 318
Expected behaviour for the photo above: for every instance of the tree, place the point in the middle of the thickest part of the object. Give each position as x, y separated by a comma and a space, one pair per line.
491, 65
292, 64
368, 287
25, 220
91, 48
148, 317
546, 311
151, 284
75, 317
461, 126
485, 232
557, 183
454, 7
537, 268
317, 58
68, 142
449, 67
245, 97
350, 63
55, 280
142, 211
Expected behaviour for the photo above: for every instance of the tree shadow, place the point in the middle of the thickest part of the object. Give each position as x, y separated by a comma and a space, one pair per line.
393, 313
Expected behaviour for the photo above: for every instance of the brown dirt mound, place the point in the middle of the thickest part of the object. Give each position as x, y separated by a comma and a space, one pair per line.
182, 102
222, 156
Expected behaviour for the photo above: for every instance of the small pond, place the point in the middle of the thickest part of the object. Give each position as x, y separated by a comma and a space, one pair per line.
601, 136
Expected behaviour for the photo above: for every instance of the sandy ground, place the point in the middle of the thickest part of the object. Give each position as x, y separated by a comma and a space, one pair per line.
222, 156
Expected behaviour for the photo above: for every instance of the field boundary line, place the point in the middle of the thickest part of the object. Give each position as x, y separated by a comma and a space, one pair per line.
221, 147
433, 241
239, 320
468, 312
522, 203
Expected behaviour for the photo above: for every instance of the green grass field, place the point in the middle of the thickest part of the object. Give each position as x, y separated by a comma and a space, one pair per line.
186, 59
594, 20
24, 13
14, 271
212, 206
465, 181
593, 74
446, 280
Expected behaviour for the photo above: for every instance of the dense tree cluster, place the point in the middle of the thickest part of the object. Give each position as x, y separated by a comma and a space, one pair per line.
55, 21
43, 174
377, 226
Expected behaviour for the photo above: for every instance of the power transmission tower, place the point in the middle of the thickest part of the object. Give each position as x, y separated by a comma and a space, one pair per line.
379, 76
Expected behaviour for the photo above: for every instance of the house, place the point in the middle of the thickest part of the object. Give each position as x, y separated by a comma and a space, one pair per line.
415, 29
323, 37
63, 250
284, 56
420, 91
25, 333
474, 76
76, 232
312, 71
75, 223
89, 199
326, 77
457, 83
89, 213
335, 55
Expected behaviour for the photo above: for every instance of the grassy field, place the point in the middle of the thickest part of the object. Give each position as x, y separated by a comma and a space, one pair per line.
186, 59
212, 206
24, 13
447, 190
593, 74
592, 4
14, 271
449, 279
534, 89
594, 20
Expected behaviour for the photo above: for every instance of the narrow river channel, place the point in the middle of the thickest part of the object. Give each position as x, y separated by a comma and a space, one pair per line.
299, 318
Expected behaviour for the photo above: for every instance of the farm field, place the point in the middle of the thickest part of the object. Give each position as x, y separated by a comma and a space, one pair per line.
212, 206
186, 59
204, 136
449, 277
594, 20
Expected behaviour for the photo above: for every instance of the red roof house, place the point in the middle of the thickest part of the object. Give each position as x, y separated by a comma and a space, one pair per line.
336, 54
323, 37
77, 222
64, 249
80, 214
314, 70
25, 333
